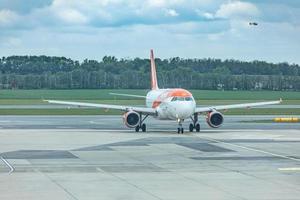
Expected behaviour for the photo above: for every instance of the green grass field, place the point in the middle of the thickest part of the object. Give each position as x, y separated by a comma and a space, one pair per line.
97, 94
203, 97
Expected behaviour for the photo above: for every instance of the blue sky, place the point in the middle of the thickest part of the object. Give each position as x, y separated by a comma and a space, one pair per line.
90, 29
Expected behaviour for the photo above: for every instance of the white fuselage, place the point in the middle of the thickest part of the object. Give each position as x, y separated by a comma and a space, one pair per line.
171, 104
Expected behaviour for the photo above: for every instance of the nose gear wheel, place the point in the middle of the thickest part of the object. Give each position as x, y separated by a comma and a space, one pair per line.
180, 128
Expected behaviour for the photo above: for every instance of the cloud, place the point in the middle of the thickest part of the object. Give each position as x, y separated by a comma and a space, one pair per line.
164, 3
208, 15
113, 13
11, 42
172, 13
196, 28
72, 16
8, 17
187, 28
280, 13
23, 7
237, 9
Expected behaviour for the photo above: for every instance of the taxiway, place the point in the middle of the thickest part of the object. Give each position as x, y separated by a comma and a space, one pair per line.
100, 161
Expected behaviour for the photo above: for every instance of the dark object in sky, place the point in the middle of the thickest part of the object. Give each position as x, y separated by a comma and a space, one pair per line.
253, 23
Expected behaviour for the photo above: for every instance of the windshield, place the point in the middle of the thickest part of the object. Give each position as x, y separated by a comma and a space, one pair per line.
182, 99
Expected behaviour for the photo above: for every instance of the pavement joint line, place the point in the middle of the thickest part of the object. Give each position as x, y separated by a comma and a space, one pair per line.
257, 177
132, 184
12, 169
127, 181
251, 149
122, 179
59, 185
196, 181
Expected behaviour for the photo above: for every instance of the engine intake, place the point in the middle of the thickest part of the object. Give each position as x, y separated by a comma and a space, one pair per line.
214, 119
131, 119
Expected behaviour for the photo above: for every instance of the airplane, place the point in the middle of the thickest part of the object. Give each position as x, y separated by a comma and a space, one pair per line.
167, 104
253, 23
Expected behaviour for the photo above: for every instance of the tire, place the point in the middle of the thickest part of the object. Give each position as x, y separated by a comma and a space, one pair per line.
137, 128
178, 130
197, 127
191, 127
144, 127
181, 130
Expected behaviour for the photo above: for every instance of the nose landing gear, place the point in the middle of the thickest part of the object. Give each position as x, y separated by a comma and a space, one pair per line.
180, 128
195, 125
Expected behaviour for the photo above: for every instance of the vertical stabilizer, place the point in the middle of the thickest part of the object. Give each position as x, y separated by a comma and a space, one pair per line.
154, 85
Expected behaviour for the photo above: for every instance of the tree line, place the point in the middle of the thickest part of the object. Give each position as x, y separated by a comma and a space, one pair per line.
45, 72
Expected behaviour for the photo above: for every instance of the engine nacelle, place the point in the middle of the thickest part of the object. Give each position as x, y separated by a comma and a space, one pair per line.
131, 119
214, 119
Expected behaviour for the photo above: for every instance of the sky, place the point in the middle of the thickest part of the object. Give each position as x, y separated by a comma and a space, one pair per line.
91, 29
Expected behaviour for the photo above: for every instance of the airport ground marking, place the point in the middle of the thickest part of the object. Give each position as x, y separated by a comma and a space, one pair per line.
289, 169
8, 165
252, 149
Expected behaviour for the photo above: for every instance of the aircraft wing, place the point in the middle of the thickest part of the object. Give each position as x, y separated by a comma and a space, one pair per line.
128, 95
243, 105
144, 110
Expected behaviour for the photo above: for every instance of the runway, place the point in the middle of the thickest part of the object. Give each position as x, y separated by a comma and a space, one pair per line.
94, 157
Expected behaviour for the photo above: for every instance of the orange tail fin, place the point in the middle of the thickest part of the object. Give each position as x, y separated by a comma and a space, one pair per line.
154, 85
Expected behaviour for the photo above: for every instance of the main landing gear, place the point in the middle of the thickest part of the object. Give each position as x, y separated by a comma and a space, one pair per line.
141, 125
195, 125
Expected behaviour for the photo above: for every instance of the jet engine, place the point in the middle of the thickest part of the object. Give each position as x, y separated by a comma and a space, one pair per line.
214, 119
131, 119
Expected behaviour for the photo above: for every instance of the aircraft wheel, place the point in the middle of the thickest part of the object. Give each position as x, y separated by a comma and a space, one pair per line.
137, 128
181, 130
144, 127
197, 127
191, 127
178, 130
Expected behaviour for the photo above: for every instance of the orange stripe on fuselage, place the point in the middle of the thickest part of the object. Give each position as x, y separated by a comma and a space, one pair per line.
179, 93
170, 93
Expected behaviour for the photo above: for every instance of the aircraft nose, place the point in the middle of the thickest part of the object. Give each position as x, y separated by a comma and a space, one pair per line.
184, 110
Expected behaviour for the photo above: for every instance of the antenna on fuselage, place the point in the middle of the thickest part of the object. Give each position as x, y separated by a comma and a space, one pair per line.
154, 85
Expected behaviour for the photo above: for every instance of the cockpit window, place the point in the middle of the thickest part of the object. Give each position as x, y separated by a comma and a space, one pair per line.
188, 98
182, 99
178, 99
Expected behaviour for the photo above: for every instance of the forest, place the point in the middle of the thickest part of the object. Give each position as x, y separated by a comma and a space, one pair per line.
45, 72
